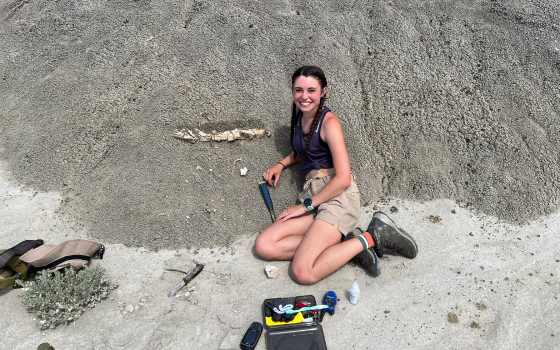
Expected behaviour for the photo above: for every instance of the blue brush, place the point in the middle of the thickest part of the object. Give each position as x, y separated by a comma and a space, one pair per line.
309, 308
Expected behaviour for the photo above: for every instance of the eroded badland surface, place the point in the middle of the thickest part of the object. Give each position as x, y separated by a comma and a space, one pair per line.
445, 106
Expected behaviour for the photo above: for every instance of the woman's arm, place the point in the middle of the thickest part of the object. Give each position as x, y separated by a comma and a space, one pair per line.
272, 174
331, 133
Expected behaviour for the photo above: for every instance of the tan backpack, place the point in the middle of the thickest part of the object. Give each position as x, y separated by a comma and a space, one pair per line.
75, 253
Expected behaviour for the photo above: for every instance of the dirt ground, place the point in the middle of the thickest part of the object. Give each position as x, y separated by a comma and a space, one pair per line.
477, 283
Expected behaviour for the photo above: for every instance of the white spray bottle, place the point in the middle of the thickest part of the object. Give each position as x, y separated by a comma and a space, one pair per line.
354, 293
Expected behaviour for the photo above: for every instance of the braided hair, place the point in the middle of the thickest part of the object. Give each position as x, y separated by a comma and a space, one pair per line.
317, 73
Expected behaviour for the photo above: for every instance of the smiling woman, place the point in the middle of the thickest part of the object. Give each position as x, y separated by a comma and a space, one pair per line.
310, 233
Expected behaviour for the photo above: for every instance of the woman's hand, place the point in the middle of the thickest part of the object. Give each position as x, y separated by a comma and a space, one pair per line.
272, 174
291, 212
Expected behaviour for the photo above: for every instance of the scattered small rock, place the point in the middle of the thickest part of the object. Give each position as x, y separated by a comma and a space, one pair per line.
376, 207
45, 346
130, 308
506, 279
481, 306
482, 267
271, 271
243, 171
471, 234
187, 294
434, 219
394, 209
386, 311
454, 211
390, 3
452, 318
337, 44
475, 325
371, 51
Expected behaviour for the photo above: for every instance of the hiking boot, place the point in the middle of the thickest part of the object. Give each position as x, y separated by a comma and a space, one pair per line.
368, 258
390, 237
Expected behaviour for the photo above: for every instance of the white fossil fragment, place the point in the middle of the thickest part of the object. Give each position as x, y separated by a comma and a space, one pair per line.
243, 171
228, 135
271, 271
203, 137
186, 135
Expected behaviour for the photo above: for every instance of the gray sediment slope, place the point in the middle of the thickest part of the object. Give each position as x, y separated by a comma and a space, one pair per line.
443, 99
477, 283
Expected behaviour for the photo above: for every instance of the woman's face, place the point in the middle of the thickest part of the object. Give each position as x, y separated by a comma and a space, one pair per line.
307, 93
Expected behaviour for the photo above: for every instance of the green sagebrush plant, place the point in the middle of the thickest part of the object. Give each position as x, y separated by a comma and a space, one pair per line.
60, 298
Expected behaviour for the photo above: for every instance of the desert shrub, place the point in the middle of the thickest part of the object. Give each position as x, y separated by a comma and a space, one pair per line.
60, 298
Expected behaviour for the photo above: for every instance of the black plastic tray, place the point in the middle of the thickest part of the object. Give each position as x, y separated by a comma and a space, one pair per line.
295, 336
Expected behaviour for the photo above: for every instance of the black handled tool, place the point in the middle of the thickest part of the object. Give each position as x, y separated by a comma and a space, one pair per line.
185, 280
267, 200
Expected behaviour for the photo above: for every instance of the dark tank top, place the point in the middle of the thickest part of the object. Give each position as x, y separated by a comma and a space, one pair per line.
318, 155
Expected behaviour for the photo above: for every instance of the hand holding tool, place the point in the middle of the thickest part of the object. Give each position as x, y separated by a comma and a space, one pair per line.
267, 200
187, 279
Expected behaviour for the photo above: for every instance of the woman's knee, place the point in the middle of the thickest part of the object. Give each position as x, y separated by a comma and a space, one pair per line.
263, 247
302, 275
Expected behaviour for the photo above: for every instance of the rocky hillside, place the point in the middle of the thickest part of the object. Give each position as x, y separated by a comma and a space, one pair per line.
438, 99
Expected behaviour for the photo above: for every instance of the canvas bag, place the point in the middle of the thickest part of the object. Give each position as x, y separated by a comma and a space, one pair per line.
75, 253
11, 267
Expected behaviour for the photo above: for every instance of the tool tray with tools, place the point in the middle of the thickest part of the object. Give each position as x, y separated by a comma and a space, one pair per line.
298, 331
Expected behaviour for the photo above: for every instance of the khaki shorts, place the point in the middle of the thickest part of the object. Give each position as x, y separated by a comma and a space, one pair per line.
344, 208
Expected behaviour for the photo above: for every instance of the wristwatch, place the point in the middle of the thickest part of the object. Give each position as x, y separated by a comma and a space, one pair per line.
307, 204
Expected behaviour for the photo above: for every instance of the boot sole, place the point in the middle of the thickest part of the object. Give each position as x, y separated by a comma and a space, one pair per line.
403, 244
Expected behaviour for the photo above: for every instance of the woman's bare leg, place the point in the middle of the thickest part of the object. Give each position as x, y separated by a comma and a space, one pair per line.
280, 240
319, 253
